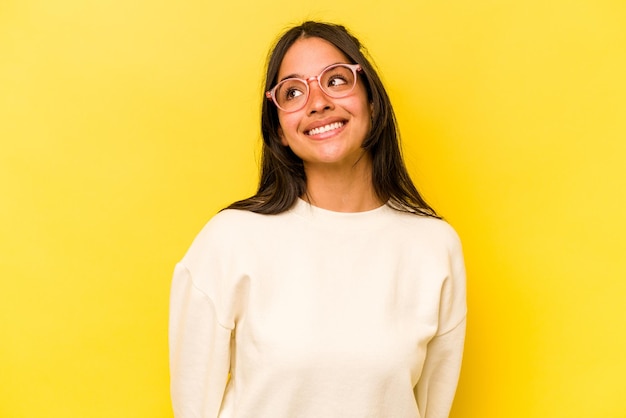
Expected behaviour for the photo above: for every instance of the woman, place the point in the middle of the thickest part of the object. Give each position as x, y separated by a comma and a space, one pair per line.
335, 291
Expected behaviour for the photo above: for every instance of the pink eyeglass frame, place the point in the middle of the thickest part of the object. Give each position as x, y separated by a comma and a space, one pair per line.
271, 94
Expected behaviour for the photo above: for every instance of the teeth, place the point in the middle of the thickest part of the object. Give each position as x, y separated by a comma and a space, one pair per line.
326, 128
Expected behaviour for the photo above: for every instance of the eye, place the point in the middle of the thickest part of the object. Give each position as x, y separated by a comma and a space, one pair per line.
292, 93
289, 90
336, 81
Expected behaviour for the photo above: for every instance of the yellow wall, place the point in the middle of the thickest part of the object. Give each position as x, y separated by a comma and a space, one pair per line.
125, 125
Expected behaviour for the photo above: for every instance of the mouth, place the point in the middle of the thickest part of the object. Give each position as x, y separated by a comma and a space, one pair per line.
326, 128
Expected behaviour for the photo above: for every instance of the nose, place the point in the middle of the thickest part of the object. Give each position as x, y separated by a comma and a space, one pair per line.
318, 100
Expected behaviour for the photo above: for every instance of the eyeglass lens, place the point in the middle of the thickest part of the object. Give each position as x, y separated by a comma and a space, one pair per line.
335, 81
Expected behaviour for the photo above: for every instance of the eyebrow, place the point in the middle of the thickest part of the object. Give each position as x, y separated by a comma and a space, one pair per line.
300, 76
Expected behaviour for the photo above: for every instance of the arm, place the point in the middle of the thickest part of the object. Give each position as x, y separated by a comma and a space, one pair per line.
437, 385
199, 350
440, 374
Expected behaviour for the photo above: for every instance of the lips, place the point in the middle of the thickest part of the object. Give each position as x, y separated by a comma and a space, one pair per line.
325, 128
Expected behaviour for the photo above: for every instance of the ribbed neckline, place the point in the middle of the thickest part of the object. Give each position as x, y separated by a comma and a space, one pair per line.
364, 220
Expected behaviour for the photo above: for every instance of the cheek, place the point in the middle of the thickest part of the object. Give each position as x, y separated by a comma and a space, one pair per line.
288, 127
363, 110
282, 136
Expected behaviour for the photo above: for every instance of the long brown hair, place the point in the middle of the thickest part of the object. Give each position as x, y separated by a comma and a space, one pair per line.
283, 179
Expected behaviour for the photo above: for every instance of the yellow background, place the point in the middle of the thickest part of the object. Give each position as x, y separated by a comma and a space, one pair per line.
125, 125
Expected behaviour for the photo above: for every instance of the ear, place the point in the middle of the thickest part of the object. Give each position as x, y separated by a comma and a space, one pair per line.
282, 137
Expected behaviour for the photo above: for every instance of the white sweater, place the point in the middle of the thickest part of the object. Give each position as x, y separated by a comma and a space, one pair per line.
318, 314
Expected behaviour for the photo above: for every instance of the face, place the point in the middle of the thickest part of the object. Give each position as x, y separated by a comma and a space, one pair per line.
327, 131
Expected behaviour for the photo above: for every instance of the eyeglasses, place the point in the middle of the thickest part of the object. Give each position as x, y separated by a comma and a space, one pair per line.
336, 81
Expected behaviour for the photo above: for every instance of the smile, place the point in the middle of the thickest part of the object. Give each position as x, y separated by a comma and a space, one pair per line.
325, 128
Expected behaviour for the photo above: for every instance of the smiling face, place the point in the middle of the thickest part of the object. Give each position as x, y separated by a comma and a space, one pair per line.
326, 131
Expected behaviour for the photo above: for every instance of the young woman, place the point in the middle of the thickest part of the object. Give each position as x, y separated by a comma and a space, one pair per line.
334, 291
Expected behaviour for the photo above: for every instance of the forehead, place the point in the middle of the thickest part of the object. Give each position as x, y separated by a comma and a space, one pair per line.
308, 56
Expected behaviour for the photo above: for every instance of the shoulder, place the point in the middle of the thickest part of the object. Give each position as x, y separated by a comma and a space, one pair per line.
228, 231
230, 221
420, 227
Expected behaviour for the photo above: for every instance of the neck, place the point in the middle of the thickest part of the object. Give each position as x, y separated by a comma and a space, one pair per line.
342, 188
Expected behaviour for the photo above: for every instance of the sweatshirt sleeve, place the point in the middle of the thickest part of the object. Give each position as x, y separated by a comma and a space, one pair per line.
199, 350
440, 374
437, 385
